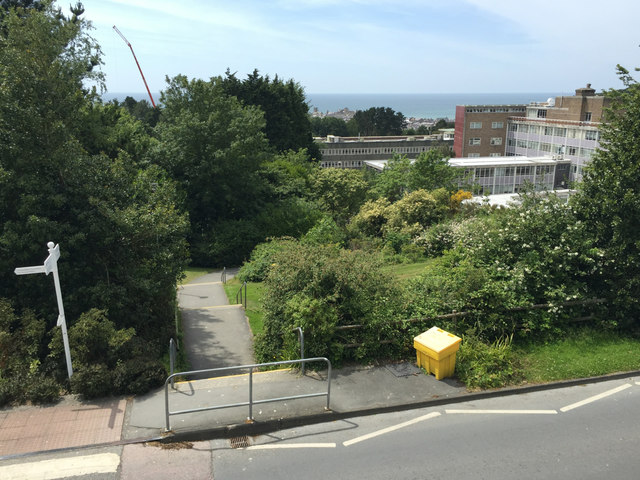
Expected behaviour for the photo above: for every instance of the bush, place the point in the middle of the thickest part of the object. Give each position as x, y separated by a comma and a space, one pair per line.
255, 270
92, 381
480, 365
138, 375
321, 287
41, 390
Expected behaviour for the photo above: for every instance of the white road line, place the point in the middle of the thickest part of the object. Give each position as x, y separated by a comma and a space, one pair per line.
595, 397
277, 446
391, 429
637, 383
62, 467
506, 412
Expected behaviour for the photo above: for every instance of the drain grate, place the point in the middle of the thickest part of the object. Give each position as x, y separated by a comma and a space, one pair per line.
239, 442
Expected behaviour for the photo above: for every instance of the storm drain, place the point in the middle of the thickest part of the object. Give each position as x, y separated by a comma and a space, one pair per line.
239, 442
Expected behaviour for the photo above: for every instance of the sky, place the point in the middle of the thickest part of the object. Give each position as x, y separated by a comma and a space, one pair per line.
371, 46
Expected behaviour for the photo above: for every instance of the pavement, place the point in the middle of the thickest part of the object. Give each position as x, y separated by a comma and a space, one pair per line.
217, 336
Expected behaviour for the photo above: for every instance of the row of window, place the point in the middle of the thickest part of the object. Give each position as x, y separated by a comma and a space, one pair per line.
373, 151
346, 164
477, 125
555, 131
522, 170
495, 109
478, 141
552, 148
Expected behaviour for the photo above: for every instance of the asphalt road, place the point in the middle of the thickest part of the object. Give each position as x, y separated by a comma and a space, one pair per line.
584, 432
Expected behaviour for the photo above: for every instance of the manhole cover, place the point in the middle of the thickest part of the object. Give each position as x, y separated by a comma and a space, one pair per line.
403, 369
239, 442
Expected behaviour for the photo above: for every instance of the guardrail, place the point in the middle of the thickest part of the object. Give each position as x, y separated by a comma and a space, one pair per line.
251, 402
241, 297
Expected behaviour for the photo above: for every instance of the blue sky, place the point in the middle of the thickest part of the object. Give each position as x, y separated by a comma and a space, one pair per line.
372, 46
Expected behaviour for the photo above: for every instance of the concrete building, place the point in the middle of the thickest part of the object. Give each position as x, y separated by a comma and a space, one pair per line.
506, 175
566, 125
352, 152
481, 130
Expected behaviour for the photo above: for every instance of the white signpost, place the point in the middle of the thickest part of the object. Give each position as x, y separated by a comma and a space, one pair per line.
51, 266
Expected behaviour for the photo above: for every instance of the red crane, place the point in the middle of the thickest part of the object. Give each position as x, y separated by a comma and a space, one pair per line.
134, 57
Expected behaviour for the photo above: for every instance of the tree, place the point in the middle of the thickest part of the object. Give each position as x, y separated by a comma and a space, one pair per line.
431, 170
323, 126
284, 106
608, 201
66, 176
376, 121
395, 179
340, 191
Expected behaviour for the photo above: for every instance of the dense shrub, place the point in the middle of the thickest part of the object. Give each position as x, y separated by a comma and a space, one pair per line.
138, 375
262, 257
482, 365
92, 381
321, 287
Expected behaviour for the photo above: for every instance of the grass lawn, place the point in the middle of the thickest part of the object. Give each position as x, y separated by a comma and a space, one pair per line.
405, 271
254, 301
583, 353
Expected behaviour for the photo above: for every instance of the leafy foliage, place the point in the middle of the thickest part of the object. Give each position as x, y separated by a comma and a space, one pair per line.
284, 106
608, 201
376, 121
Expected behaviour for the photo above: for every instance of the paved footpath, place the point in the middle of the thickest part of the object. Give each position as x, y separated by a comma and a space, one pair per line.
216, 334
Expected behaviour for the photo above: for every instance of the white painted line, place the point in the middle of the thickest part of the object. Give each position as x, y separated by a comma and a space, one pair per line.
391, 429
506, 412
200, 284
637, 383
595, 397
62, 467
277, 446
212, 307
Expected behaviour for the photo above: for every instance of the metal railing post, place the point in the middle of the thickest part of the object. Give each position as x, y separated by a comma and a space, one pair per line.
172, 360
223, 276
328, 385
251, 394
301, 340
167, 426
245, 294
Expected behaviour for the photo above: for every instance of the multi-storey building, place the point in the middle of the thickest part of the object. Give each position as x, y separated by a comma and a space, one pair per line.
481, 130
352, 152
566, 125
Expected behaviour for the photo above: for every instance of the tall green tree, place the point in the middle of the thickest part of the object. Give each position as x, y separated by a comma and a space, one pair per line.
376, 121
213, 146
608, 201
284, 105
67, 177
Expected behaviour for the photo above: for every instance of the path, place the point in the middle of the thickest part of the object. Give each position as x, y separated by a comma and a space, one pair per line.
216, 334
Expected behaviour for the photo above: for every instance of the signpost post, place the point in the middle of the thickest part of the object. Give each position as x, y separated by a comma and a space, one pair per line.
51, 266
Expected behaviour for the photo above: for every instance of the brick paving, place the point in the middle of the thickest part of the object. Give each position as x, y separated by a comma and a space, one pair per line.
69, 424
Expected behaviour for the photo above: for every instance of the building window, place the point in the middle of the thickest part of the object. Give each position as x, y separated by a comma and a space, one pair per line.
548, 130
511, 142
495, 155
534, 129
542, 113
523, 171
473, 155
587, 116
497, 124
484, 172
521, 144
474, 141
545, 147
513, 127
560, 132
496, 141
475, 125
572, 150
591, 135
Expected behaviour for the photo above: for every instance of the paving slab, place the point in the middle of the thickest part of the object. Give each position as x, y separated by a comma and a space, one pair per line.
71, 423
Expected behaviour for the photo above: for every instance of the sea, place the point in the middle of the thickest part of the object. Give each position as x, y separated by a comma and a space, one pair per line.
417, 105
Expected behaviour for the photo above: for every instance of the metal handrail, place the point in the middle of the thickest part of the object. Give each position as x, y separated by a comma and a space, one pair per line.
223, 275
243, 298
301, 339
172, 360
251, 401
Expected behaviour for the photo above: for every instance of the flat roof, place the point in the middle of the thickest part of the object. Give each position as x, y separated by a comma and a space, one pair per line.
504, 161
